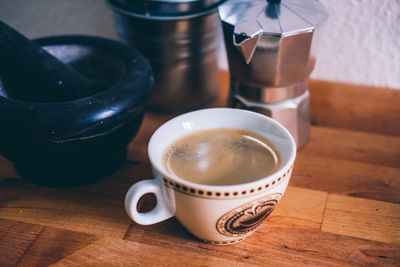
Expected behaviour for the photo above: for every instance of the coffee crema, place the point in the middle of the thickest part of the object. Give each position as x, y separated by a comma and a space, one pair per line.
221, 157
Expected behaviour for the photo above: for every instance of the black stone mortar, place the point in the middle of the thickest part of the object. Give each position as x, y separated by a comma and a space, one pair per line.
77, 141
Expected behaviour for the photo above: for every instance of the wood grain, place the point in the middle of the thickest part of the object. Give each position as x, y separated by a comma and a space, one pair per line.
353, 146
354, 107
25, 244
300, 207
15, 239
269, 246
312, 247
113, 252
96, 209
274, 244
291, 236
364, 218
346, 177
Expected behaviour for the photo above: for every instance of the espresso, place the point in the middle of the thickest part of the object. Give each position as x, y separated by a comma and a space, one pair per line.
221, 157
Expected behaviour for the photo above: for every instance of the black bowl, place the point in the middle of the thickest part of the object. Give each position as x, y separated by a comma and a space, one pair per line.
83, 140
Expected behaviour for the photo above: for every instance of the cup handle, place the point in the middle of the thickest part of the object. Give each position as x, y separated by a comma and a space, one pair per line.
159, 213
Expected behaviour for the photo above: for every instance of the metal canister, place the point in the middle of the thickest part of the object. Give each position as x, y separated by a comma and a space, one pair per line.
180, 40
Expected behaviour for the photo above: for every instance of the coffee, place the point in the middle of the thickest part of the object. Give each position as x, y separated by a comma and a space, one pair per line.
221, 157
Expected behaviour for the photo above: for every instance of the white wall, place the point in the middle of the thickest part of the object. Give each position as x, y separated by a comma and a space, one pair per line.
359, 43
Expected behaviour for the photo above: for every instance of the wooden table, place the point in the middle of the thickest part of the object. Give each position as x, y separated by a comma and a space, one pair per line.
341, 206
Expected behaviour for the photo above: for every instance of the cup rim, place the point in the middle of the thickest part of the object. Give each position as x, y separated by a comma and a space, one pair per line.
281, 172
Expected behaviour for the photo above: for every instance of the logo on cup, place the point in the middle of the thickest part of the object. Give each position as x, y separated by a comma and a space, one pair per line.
248, 217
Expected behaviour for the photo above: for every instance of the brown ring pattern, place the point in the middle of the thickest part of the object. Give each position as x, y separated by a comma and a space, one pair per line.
226, 194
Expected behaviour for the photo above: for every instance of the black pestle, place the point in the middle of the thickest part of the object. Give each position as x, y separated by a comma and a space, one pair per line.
24, 64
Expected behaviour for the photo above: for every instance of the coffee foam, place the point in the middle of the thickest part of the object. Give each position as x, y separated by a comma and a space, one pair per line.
221, 157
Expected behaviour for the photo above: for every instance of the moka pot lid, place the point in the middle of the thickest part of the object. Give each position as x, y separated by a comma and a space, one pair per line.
253, 18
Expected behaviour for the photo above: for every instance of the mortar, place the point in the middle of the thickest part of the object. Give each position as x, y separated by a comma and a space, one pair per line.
78, 141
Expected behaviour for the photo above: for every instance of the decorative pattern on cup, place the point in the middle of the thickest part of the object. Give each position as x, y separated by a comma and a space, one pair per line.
221, 194
231, 242
246, 218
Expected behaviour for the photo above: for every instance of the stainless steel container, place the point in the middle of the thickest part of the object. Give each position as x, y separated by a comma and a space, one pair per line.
268, 44
180, 40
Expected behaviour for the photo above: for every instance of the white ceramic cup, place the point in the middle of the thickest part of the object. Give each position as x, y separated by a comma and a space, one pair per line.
215, 214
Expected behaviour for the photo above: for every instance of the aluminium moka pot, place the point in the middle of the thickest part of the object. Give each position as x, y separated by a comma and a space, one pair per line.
268, 44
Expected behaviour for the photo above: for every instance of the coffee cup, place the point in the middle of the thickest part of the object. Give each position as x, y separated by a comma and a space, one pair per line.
216, 214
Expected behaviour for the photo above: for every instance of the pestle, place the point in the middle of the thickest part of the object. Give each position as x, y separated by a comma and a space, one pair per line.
30, 73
